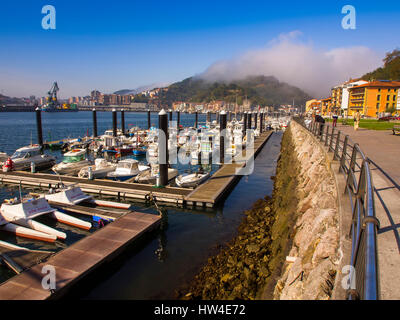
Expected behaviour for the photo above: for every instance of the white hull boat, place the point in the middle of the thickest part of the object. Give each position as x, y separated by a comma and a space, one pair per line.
24, 157
100, 169
150, 176
72, 163
191, 180
126, 169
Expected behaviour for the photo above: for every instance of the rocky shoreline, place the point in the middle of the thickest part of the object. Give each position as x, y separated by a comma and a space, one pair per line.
287, 246
248, 266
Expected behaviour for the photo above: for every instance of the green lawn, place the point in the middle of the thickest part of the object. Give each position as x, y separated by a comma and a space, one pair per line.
370, 124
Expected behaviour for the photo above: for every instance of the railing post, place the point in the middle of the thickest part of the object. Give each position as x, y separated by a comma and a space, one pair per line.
326, 136
336, 154
344, 153
321, 131
331, 143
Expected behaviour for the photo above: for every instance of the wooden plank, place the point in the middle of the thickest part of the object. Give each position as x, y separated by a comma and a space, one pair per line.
81, 258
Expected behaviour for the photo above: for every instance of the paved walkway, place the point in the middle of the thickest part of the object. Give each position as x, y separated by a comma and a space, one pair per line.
383, 148
380, 146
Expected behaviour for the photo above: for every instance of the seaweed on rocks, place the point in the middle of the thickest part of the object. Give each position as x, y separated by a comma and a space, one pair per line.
247, 266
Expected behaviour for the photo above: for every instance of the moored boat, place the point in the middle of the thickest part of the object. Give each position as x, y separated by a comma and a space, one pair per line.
126, 169
72, 163
23, 158
191, 180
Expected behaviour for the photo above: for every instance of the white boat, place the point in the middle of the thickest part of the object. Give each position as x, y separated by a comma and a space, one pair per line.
23, 213
23, 157
126, 169
150, 175
99, 170
191, 180
72, 163
74, 195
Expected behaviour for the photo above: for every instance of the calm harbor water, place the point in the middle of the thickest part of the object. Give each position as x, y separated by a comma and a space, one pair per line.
166, 259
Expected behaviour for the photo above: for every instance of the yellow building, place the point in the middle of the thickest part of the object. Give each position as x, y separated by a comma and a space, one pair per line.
313, 105
326, 106
374, 97
336, 95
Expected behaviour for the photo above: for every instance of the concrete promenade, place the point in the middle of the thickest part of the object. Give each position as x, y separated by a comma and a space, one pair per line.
383, 148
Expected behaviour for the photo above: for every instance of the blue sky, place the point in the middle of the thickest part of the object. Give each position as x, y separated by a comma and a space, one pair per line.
112, 45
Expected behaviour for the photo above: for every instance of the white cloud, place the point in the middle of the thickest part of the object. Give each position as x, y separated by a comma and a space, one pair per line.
298, 63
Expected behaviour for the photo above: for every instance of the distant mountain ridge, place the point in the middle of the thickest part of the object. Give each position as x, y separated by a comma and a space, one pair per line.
260, 90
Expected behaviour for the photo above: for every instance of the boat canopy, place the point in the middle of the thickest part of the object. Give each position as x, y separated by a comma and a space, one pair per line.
72, 195
27, 210
26, 152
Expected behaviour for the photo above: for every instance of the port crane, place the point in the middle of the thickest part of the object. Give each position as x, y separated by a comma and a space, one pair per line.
52, 101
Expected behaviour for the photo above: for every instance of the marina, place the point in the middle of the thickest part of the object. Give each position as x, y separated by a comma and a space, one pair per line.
121, 191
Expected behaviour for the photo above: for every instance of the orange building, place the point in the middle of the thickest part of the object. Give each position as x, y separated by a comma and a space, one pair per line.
326, 106
374, 97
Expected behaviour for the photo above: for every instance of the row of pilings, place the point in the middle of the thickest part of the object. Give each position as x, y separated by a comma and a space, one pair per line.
222, 118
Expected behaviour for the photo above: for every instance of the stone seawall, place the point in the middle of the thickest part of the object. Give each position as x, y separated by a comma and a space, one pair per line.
287, 246
312, 260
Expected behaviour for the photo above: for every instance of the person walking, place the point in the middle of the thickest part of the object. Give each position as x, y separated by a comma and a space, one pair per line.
321, 122
357, 118
334, 121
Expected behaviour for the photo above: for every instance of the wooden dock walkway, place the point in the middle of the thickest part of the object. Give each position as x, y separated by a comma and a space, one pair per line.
222, 181
75, 262
120, 190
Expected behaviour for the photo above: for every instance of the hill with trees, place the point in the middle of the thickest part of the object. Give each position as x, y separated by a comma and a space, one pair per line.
260, 90
390, 69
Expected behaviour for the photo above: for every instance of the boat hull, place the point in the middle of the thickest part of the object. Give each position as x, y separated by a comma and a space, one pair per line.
27, 233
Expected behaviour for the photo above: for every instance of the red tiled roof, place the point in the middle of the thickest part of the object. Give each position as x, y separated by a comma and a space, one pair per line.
376, 84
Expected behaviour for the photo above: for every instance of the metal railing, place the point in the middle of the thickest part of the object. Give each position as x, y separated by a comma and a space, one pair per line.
360, 189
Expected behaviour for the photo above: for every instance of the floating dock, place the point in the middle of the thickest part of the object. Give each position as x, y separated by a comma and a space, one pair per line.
208, 194
218, 186
77, 261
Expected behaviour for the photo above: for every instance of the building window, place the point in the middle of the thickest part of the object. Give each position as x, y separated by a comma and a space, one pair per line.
389, 90
388, 98
394, 105
379, 97
377, 105
394, 98
387, 105
379, 90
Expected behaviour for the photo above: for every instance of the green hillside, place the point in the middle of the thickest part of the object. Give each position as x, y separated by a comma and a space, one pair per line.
260, 90
390, 69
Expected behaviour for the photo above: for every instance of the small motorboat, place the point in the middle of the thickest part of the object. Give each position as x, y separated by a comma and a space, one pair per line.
99, 170
149, 176
23, 158
72, 163
191, 180
126, 169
